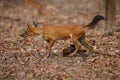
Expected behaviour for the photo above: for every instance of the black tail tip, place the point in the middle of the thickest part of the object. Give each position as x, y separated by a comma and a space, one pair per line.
99, 17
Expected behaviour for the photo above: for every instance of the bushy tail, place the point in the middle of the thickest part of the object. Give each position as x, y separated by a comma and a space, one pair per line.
95, 21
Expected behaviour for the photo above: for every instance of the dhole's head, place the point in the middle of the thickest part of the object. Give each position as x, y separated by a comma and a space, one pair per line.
29, 31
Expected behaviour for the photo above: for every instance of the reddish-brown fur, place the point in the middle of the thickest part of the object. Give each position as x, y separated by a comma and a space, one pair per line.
51, 33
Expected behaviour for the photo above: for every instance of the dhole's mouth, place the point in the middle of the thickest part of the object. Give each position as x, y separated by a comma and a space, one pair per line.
23, 35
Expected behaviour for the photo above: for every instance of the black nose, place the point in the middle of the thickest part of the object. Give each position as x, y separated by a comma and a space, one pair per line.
22, 35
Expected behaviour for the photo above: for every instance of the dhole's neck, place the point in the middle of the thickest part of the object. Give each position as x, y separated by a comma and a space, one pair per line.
38, 31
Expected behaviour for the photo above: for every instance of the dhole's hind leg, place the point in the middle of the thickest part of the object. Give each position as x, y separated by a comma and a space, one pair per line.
84, 43
77, 46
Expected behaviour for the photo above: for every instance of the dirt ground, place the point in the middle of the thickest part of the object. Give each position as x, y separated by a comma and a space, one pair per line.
22, 59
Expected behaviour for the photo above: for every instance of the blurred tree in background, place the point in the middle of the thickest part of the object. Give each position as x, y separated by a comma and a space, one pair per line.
110, 13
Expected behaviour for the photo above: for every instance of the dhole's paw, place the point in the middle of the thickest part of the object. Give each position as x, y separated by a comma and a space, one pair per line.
93, 49
72, 54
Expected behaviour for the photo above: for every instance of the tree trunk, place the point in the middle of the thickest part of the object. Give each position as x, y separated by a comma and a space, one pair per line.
110, 14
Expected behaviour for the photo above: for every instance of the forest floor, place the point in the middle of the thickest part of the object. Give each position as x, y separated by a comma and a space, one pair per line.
22, 59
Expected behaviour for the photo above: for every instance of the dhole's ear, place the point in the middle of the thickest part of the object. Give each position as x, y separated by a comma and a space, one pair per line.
35, 23
30, 26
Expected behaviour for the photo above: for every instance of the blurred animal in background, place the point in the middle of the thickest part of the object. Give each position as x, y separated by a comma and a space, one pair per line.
33, 3
37, 5
43, 9
75, 32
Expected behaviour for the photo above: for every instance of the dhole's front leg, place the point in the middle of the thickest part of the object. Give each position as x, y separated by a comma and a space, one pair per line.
51, 42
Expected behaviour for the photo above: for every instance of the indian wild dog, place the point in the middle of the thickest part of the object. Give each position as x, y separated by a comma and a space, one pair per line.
51, 33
